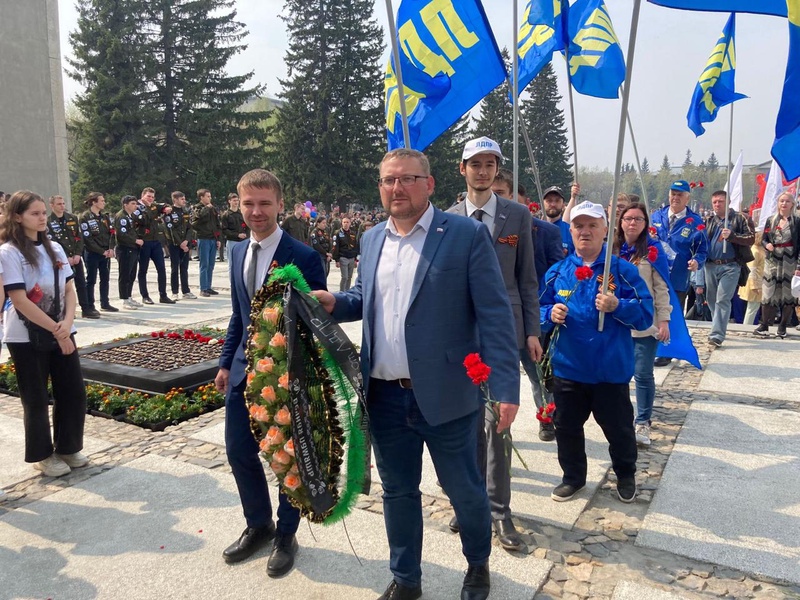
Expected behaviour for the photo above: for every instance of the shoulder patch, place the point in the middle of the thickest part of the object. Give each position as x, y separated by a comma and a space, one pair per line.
84, 226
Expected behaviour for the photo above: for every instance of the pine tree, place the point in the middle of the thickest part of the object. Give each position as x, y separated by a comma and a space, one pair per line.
645, 166
687, 162
712, 163
444, 154
547, 130
205, 139
113, 130
665, 164
329, 135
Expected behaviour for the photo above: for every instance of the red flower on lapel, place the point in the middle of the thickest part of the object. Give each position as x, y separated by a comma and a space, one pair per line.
511, 240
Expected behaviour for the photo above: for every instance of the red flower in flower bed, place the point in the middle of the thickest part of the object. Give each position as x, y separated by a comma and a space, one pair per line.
652, 254
583, 273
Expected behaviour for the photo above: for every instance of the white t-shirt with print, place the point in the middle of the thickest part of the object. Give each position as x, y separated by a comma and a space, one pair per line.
19, 274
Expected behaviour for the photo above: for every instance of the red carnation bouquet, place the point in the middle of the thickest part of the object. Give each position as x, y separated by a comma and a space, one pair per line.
478, 371
545, 413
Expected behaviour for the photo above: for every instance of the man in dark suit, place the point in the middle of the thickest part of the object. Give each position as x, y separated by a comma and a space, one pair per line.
509, 224
547, 251
429, 292
261, 201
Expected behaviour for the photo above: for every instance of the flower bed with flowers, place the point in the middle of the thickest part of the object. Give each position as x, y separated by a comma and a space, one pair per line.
150, 411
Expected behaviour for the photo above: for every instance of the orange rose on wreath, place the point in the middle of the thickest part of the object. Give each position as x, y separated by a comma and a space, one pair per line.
268, 393
292, 481
250, 377
278, 467
264, 445
278, 340
282, 456
271, 314
283, 381
289, 447
265, 365
283, 416
274, 437
259, 413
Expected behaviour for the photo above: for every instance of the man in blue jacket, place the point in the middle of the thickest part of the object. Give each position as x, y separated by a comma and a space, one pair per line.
592, 369
429, 292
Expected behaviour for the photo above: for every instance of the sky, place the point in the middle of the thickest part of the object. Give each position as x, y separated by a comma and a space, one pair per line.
672, 47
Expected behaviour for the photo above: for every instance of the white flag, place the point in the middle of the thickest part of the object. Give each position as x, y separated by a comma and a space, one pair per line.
735, 185
774, 188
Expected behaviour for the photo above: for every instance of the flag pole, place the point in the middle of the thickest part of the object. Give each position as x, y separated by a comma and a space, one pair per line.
515, 96
534, 166
620, 144
398, 71
728, 179
638, 163
572, 117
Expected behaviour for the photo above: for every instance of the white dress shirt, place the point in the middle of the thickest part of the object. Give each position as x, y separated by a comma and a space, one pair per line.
678, 216
489, 211
394, 278
268, 246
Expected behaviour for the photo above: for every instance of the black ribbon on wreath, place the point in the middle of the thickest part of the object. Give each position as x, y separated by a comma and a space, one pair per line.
303, 315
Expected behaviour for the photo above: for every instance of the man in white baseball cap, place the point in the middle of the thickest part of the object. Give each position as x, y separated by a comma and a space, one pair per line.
482, 145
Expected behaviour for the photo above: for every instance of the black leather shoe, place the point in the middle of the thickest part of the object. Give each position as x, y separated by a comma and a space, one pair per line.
109, 308
281, 560
147, 300
397, 591
90, 314
547, 432
250, 541
166, 300
476, 583
454, 526
661, 361
507, 535
213, 292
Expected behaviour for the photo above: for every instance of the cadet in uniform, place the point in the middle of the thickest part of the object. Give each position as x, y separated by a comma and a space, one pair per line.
234, 229
128, 244
179, 235
321, 242
345, 251
63, 227
98, 248
147, 228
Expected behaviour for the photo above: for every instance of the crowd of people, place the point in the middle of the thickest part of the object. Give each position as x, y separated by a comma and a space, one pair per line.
495, 275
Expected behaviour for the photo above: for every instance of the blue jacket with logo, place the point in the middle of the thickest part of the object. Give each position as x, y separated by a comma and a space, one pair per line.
685, 241
581, 353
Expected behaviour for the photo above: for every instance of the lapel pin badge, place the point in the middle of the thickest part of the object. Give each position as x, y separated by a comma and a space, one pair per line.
439, 230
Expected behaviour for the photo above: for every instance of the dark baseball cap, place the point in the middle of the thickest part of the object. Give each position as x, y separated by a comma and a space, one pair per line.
554, 189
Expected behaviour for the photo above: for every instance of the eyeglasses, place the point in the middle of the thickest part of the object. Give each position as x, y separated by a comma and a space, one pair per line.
405, 180
633, 219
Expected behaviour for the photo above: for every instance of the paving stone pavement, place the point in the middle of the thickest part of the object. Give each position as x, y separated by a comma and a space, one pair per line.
594, 555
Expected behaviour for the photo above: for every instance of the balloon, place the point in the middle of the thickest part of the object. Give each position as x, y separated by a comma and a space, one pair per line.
313, 214
308, 204
307, 210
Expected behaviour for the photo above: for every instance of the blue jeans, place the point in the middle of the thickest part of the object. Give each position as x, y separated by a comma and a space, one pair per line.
644, 352
398, 432
722, 281
540, 395
207, 251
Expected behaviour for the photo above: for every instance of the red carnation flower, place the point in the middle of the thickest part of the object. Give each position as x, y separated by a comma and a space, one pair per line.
653, 231
692, 185
701, 227
652, 254
472, 359
154, 334
533, 207
689, 221
545, 413
477, 370
584, 273
146, 231
700, 184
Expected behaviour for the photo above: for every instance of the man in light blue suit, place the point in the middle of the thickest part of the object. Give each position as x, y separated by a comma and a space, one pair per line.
261, 202
429, 292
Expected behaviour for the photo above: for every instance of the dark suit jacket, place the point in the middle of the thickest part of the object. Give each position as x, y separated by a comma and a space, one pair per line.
288, 251
547, 249
458, 306
516, 263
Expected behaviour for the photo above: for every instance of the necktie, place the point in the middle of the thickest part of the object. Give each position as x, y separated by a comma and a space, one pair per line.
672, 219
478, 214
252, 269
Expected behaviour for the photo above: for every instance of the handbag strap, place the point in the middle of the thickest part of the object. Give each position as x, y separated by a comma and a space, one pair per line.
57, 286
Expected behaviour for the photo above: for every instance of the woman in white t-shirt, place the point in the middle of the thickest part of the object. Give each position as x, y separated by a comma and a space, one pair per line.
30, 264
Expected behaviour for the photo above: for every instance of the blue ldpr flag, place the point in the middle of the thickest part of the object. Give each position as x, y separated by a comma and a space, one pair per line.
786, 149
715, 87
449, 61
680, 342
758, 7
539, 39
596, 63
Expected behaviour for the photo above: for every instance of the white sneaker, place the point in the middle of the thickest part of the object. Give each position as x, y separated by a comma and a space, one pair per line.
127, 303
643, 434
52, 466
75, 461
135, 303
189, 296
175, 297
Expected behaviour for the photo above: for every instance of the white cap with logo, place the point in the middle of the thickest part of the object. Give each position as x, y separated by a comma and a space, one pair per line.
481, 145
588, 209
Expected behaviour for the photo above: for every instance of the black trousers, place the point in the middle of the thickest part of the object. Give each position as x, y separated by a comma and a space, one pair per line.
179, 269
96, 263
80, 285
128, 261
69, 395
610, 404
152, 250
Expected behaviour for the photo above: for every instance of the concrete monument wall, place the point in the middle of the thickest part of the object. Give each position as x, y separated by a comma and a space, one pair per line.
33, 133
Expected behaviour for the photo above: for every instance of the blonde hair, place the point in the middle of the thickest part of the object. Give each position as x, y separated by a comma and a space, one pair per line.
260, 179
424, 164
